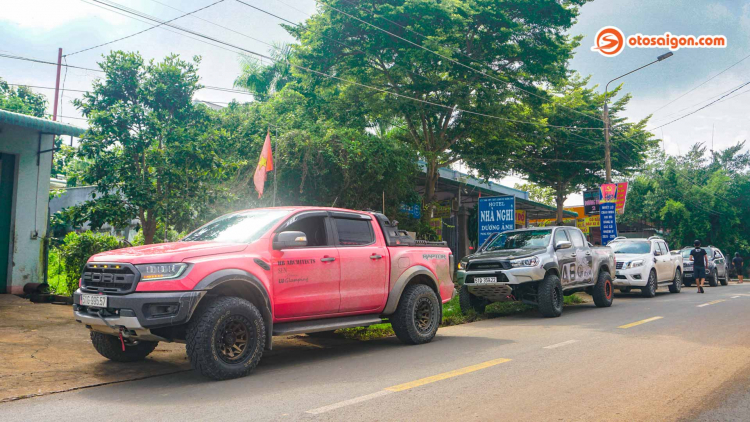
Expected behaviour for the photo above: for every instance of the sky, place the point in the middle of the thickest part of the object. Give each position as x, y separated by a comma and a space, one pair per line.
37, 28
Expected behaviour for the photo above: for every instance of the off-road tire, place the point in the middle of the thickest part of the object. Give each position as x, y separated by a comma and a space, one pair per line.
676, 286
550, 296
725, 280
649, 290
603, 290
713, 281
203, 342
625, 289
469, 302
111, 348
417, 316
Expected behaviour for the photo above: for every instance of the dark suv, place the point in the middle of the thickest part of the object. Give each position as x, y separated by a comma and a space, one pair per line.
716, 271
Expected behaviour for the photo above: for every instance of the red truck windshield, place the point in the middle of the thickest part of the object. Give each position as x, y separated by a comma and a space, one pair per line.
242, 227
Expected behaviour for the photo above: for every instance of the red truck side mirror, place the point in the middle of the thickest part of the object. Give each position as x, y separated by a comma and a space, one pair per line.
288, 240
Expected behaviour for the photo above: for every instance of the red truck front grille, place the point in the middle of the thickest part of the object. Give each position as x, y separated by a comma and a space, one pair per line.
109, 278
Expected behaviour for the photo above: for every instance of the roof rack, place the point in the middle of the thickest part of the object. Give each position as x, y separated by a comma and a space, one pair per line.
619, 238
655, 237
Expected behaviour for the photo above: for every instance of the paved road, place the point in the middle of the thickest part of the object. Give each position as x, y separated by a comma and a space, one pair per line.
674, 357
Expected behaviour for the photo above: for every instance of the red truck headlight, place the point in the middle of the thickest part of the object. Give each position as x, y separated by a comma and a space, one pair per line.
152, 272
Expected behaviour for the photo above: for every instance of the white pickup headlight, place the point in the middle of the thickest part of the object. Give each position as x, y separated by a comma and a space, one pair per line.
531, 261
635, 264
151, 272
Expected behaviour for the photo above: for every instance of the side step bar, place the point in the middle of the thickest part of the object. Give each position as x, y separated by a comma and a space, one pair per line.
329, 324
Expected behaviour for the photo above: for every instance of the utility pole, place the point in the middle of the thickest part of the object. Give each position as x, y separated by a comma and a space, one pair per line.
607, 145
57, 84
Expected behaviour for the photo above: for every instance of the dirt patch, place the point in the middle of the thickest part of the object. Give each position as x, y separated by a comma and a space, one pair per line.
43, 350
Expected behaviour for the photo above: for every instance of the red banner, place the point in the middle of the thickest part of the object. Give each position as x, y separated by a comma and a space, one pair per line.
622, 195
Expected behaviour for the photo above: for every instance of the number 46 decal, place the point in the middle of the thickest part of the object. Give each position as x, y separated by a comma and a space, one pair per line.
569, 272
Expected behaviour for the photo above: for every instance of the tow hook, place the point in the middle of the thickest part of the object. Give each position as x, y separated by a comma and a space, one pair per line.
119, 332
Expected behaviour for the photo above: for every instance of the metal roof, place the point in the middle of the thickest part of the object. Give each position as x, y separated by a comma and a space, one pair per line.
42, 125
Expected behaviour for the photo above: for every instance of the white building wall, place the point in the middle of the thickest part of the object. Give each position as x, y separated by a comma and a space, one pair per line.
31, 197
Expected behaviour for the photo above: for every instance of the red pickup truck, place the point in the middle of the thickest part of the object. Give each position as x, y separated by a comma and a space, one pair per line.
231, 285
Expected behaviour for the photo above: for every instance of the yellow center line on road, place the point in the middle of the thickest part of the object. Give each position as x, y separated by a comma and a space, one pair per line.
407, 386
713, 302
446, 375
643, 321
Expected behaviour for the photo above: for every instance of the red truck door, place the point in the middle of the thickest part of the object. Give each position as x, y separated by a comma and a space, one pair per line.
306, 279
364, 262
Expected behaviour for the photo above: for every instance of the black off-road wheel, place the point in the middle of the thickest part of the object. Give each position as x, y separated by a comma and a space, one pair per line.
713, 281
676, 286
725, 280
550, 296
649, 290
111, 347
469, 302
603, 291
226, 339
417, 316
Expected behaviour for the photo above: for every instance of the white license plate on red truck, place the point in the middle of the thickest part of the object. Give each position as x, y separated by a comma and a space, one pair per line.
480, 280
96, 301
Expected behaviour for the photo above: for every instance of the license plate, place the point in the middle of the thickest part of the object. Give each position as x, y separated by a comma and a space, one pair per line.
97, 301
485, 279
688, 275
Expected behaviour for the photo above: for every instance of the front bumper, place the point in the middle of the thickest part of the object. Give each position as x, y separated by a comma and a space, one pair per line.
136, 314
507, 280
631, 277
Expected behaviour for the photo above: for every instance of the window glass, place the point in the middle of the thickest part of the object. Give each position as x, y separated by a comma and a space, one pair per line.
313, 227
577, 238
631, 247
526, 239
560, 236
354, 232
718, 254
241, 227
658, 247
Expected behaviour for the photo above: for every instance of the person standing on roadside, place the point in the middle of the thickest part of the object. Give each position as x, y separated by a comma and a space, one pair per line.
700, 262
737, 262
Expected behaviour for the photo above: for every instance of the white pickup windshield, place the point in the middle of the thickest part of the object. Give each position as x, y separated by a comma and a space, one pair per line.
631, 247
241, 227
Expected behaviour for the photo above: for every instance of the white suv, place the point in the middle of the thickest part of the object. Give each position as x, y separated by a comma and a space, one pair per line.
646, 264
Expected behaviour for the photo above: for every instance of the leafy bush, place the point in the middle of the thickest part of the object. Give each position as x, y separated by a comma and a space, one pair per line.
56, 277
78, 248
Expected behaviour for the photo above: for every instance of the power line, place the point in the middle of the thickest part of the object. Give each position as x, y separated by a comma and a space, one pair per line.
705, 106
676, 113
9, 56
145, 30
702, 83
165, 29
381, 90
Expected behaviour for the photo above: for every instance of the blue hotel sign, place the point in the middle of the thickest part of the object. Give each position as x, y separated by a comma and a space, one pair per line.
496, 214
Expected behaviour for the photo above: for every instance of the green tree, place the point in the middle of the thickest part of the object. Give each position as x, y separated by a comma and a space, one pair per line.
699, 195
153, 153
541, 194
519, 43
263, 79
569, 160
22, 100
318, 161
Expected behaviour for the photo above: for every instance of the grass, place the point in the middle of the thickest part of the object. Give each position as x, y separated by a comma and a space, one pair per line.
573, 299
452, 315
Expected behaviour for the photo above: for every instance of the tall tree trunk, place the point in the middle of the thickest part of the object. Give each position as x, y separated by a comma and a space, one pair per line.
430, 184
431, 177
560, 200
148, 225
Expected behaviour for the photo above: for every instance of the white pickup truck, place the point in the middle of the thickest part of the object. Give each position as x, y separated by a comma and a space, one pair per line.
646, 264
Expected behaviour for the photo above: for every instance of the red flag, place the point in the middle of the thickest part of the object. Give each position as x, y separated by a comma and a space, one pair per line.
265, 164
